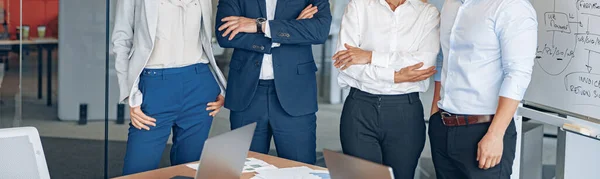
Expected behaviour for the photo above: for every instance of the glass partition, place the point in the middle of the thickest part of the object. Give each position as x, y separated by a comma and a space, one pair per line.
56, 78
10, 66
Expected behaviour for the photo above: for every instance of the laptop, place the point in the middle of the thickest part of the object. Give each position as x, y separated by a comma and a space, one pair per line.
224, 155
21, 154
343, 166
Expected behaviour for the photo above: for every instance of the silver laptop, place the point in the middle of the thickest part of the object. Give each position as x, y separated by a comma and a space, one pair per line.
224, 155
347, 167
21, 154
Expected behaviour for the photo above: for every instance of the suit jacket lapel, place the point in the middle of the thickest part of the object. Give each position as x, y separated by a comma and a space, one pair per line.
206, 6
151, 8
262, 5
207, 28
281, 4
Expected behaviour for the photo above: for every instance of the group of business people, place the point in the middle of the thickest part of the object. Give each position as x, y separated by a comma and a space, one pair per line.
387, 51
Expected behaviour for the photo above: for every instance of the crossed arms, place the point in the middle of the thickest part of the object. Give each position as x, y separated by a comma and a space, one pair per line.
373, 66
233, 30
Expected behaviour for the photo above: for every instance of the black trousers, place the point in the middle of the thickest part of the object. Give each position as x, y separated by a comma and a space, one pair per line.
454, 150
385, 129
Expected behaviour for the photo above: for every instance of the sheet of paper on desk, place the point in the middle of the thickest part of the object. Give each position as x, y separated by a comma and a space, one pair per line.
292, 173
251, 165
193, 166
323, 174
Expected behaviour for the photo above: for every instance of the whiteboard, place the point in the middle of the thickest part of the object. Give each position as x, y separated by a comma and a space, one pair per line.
566, 74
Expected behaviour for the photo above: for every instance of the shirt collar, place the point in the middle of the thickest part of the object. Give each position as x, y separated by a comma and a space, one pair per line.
182, 2
383, 2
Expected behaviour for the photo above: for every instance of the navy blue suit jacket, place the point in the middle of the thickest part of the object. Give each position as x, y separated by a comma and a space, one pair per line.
293, 63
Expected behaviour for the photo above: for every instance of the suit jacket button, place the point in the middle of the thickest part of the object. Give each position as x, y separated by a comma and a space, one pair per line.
262, 47
256, 63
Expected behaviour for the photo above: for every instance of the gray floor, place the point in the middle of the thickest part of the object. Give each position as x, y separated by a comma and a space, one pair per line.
70, 147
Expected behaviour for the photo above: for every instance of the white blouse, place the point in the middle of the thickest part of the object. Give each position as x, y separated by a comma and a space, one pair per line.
177, 35
398, 39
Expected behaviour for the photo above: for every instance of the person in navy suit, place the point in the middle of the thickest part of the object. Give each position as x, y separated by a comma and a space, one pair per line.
272, 78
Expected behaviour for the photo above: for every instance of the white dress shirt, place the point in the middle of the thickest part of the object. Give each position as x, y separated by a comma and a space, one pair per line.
177, 41
266, 69
489, 49
178, 37
398, 39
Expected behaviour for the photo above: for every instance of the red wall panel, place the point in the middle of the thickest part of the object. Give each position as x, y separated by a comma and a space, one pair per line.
35, 13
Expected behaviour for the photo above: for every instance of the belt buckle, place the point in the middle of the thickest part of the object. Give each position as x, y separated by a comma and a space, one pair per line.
446, 114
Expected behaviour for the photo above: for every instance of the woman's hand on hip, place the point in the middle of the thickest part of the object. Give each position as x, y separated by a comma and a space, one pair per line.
215, 107
140, 120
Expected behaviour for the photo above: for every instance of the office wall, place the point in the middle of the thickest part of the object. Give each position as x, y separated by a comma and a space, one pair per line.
81, 70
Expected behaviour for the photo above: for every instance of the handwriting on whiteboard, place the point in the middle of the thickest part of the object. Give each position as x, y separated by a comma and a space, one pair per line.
571, 46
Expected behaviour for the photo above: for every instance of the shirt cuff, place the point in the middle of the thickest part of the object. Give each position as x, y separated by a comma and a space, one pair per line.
268, 34
380, 59
512, 89
136, 99
267, 29
438, 74
386, 74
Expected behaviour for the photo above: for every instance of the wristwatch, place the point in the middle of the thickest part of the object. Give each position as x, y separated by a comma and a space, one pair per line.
259, 24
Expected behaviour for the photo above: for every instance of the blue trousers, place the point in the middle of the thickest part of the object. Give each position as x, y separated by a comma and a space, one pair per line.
177, 98
295, 136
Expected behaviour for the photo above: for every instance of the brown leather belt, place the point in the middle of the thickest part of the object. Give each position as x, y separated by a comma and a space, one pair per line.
451, 120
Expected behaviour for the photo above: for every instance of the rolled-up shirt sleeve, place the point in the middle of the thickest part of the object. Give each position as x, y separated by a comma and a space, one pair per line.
517, 31
439, 63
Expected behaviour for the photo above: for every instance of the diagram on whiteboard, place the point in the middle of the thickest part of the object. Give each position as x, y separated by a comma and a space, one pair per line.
569, 47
